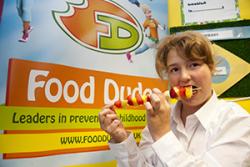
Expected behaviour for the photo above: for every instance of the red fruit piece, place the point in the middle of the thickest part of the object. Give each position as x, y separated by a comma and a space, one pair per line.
148, 98
118, 104
138, 99
130, 102
172, 93
182, 91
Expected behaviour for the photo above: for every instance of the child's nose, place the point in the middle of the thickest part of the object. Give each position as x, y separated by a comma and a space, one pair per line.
185, 75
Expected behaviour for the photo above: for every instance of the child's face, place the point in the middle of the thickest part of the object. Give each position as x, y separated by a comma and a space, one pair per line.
148, 13
183, 72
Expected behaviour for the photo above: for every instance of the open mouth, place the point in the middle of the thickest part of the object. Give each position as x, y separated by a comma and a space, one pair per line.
195, 89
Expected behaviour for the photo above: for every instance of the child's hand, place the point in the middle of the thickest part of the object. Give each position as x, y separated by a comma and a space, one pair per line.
111, 124
158, 114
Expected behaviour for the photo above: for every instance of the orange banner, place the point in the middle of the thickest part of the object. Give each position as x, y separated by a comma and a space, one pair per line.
40, 84
50, 85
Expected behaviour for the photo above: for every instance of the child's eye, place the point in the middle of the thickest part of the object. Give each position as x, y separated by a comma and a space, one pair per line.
174, 70
194, 65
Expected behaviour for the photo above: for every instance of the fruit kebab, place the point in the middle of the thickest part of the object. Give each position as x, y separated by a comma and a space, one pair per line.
175, 93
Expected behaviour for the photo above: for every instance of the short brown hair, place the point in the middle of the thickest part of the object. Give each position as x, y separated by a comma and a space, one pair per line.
189, 45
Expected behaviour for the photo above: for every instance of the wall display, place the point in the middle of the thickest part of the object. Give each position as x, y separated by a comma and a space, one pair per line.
227, 33
207, 11
176, 14
231, 35
227, 72
61, 61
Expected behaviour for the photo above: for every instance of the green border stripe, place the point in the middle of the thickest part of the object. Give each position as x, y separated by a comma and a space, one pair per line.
40, 118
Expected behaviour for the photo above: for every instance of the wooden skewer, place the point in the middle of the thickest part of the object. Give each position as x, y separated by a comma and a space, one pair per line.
139, 100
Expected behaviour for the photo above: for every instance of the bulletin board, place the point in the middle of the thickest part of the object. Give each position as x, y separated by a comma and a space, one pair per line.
231, 40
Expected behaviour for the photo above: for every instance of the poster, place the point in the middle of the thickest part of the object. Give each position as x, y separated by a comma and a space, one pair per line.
209, 11
61, 61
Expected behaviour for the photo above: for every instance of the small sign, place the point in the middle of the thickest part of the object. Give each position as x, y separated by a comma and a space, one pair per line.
220, 71
207, 11
215, 35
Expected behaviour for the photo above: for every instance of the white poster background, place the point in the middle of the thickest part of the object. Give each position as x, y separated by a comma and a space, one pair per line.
197, 12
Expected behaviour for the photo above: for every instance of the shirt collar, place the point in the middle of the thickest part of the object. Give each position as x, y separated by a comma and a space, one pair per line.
176, 112
205, 114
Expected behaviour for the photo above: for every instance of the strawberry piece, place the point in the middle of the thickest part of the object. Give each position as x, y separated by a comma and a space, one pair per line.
138, 99
148, 98
118, 104
173, 93
182, 91
130, 102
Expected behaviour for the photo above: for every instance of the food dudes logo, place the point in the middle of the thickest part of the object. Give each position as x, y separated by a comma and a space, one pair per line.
100, 25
